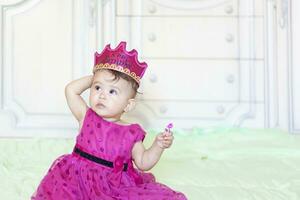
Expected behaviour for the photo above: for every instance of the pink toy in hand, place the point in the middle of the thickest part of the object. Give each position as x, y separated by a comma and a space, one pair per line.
168, 127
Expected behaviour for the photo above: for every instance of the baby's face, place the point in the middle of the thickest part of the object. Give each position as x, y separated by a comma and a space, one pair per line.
108, 97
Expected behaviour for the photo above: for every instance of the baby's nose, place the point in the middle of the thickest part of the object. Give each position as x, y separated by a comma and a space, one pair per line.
102, 95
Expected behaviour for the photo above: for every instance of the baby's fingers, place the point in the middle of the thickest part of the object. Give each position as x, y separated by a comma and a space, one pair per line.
167, 143
160, 137
169, 137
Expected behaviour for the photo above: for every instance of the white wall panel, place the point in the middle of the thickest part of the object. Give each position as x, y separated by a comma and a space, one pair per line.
294, 69
211, 62
211, 51
37, 62
195, 80
251, 38
41, 48
217, 8
172, 37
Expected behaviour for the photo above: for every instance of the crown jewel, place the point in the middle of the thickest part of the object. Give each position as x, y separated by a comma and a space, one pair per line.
121, 60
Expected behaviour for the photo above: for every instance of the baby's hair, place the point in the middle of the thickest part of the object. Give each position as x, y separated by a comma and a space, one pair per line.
117, 75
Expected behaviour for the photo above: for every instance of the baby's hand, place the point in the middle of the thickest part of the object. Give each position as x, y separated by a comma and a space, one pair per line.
165, 139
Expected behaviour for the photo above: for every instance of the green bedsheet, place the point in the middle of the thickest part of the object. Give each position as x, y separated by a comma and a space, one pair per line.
205, 164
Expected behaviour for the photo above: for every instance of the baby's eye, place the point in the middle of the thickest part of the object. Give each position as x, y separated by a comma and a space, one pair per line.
97, 87
112, 91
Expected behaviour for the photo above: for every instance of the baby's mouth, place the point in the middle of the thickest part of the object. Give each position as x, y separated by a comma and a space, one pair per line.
100, 105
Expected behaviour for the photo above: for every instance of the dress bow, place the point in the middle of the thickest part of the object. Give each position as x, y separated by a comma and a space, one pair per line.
115, 176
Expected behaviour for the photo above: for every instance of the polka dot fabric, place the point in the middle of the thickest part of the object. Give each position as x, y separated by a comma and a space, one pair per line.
72, 177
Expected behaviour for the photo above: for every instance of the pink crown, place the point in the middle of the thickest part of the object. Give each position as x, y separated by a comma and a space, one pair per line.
120, 60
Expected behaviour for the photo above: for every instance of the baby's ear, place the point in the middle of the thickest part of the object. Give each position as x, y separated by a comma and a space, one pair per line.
130, 106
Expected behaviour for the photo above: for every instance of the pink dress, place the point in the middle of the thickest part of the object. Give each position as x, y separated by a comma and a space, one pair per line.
74, 177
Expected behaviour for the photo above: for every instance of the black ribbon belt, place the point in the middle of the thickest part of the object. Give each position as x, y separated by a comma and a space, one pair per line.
96, 159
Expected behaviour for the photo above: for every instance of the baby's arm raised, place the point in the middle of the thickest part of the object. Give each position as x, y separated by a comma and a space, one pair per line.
73, 91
